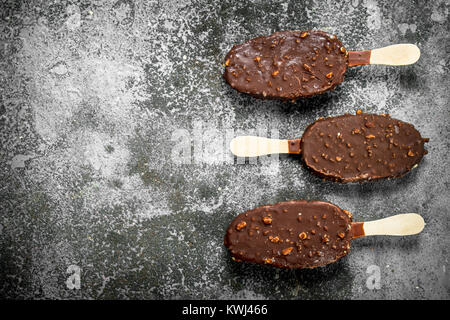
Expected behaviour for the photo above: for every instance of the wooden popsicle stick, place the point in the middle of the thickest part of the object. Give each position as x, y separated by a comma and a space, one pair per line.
399, 225
252, 146
394, 55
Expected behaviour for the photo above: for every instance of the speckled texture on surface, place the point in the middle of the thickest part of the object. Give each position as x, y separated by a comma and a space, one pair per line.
94, 95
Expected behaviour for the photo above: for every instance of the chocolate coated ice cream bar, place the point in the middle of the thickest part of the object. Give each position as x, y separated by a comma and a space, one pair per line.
302, 234
347, 148
288, 65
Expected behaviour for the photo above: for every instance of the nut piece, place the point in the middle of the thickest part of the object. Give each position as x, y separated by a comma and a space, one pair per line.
227, 63
348, 213
329, 75
304, 35
274, 239
287, 251
341, 235
267, 220
241, 225
410, 153
269, 260
302, 235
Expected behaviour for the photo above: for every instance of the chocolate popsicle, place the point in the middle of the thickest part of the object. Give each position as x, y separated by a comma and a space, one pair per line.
305, 234
288, 65
347, 148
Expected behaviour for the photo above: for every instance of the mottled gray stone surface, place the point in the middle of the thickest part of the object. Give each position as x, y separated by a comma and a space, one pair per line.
92, 93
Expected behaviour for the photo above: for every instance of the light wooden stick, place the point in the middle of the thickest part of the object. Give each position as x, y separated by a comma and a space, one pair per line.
398, 225
395, 55
251, 146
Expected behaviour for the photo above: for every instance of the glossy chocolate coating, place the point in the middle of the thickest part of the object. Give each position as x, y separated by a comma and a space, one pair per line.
355, 148
292, 234
287, 65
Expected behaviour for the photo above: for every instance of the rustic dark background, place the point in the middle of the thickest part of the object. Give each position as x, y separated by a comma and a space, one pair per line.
93, 97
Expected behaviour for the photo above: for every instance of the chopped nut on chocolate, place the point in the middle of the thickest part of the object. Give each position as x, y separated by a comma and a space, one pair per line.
274, 239
287, 251
269, 260
241, 225
267, 220
348, 213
